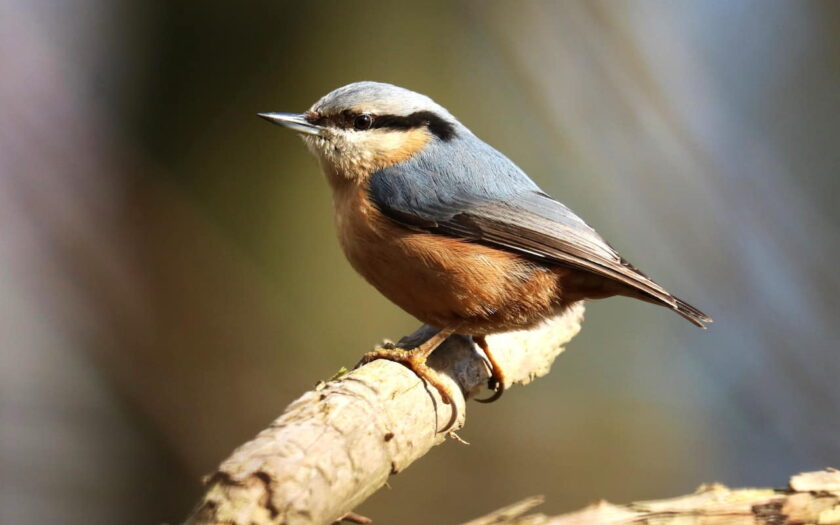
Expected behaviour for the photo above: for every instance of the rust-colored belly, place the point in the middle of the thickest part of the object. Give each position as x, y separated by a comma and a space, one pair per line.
443, 281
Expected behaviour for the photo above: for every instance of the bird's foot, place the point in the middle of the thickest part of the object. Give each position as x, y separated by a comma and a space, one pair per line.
415, 360
497, 376
416, 363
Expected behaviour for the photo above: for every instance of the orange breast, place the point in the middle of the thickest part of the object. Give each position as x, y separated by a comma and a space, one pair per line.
440, 280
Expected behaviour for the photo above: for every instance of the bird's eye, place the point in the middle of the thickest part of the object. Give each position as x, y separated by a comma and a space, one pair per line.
363, 122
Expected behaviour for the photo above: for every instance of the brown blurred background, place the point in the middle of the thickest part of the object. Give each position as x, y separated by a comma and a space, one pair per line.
169, 277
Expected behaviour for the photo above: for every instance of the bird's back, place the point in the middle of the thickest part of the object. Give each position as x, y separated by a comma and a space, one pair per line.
464, 188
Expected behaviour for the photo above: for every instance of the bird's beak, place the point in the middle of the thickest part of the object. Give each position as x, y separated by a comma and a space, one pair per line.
294, 121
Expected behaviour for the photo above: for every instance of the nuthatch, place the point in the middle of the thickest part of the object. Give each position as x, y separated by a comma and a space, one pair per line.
450, 229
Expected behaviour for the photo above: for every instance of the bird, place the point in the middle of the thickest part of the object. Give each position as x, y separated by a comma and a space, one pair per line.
451, 230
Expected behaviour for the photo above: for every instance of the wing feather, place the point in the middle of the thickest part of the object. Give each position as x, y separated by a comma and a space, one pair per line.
558, 237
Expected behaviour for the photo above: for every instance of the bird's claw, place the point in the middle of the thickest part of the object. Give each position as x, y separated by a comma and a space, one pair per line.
496, 382
417, 364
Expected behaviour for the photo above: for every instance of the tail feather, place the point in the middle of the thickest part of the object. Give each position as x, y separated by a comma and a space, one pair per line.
691, 313
694, 315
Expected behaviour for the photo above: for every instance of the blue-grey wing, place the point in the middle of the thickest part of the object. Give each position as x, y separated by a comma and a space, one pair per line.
485, 198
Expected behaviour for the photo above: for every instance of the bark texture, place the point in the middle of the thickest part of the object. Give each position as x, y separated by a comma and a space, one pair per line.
336, 445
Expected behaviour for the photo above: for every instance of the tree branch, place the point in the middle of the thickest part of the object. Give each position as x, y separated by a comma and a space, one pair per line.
336, 445
813, 497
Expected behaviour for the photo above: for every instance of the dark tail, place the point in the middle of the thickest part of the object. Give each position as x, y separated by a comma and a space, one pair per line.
691, 313
676, 304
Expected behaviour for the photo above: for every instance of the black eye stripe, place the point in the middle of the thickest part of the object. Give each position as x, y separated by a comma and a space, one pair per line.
439, 126
396, 122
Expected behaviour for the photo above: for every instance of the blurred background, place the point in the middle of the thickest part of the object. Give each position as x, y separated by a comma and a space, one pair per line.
170, 279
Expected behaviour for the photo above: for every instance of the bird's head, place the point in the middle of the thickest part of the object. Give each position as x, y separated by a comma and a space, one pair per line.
366, 126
